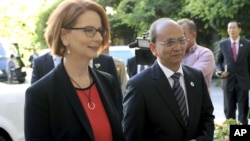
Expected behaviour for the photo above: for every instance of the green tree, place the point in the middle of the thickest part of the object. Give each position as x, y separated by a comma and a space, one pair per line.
18, 23
41, 23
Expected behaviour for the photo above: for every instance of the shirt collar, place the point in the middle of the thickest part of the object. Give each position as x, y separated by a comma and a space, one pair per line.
55, 57
236, 41
193, 48
168, 73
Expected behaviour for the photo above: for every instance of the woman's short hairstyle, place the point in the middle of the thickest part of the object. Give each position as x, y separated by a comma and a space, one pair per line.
65, 15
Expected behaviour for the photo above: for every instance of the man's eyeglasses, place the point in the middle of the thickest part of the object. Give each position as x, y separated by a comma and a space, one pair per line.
172, 43
90, 31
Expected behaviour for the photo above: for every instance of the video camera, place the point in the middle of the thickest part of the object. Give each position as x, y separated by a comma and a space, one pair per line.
143, 54
140, 42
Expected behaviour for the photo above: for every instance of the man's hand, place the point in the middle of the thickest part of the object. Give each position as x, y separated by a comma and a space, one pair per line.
221, 74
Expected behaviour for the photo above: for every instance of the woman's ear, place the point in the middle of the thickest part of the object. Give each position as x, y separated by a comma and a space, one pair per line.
64, 37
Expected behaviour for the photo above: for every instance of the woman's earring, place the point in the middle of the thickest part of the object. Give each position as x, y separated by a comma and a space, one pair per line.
68, 51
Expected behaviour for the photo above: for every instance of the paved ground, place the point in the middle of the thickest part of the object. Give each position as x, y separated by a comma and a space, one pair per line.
217, 99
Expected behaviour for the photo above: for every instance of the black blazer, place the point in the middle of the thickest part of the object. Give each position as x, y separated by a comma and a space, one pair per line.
53, 112
131, 66
238, 71
151, 112
41, 66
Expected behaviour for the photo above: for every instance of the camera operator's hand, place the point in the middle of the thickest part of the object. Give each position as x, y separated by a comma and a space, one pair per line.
221, 74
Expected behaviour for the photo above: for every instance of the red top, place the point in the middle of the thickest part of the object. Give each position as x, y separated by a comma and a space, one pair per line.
98, 118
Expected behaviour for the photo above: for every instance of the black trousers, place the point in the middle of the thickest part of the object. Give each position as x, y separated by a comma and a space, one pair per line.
237, 99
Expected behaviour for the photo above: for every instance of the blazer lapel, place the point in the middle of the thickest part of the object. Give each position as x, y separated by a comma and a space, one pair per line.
190, 84
107, 103
97, 63
72, 96
240, 49
166, 92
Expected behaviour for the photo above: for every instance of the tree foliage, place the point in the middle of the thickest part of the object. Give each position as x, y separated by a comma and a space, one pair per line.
130, 18
41, 23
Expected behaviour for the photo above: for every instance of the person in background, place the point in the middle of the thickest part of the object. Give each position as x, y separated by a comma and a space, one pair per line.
133, 67
159, 107
197, 56
142, 60
120, 68
10, 70
33, 57
73, 101
45, 63
233, 67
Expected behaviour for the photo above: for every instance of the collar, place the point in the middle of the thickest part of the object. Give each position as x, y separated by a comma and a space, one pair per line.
168, 73
236, 41
55, 57
193, 48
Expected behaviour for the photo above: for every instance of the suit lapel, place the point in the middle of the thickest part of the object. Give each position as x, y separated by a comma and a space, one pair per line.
240, 49
96, 63
74, 100
106, 100
166, 92
190, 84
77, 107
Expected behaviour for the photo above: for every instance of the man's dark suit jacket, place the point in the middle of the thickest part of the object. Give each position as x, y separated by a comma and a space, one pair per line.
151, 112
238, 71
53, 112
131, 66
41, 66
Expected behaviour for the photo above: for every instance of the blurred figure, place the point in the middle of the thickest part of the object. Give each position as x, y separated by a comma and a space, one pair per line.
233, 67
10, 70
168, 101
197, 56
43, 65
33, 57
120, 68
75, 102
142, 60
134, 68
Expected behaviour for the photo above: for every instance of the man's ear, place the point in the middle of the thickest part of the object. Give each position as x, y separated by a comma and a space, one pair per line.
152, 48
63, 36
194, 34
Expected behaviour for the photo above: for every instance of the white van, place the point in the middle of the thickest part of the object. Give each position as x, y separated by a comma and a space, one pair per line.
12, 98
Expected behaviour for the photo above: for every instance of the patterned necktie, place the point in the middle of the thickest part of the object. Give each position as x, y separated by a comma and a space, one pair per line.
180, 97
234, 51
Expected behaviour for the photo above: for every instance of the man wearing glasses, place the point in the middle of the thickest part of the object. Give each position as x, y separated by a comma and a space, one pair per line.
197, 56
168, 101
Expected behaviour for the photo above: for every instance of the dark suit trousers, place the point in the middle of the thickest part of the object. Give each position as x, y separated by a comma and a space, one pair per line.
232, 100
